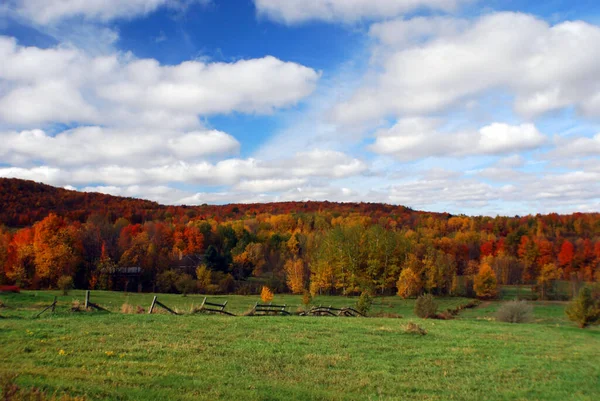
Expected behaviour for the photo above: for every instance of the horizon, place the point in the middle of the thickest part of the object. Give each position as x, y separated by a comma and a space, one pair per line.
424, 211
447, 106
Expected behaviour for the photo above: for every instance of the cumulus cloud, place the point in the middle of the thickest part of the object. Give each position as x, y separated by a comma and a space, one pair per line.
66, 85
258, 175
580, 146
298, 11
423, 67
415, 138
52, 11
98, 145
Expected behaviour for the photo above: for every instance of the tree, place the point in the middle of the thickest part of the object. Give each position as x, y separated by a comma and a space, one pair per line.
65, 283
548, 274
565, 257
294, 269
485, 283
585, 309
204, 278
409, 284
266, 295
54, 244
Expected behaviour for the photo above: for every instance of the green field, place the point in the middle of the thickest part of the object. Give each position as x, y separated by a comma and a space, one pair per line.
159, 357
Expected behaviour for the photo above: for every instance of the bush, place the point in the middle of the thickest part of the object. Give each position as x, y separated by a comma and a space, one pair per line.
413, 328
515, 312
185, 284
585, 309
65, 283
166, 281
363, 305
426, 306
306, 298
77, 306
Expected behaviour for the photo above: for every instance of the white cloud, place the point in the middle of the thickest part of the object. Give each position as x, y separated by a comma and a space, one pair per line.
415, 138
545, 67
573, 147
66, 85
251, 174
101, 146
405, 32
269, 185
297, 11
51, 11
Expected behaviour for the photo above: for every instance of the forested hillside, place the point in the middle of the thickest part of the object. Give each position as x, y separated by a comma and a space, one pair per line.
321, 247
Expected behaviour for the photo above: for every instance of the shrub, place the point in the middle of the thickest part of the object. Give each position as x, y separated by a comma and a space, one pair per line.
77, 306
413, 328
227, 284
515, 312
185, 284
126, 308
65, 283
363, 305
585, 309
166, 281
10, 288
306, 298
426, 306
266, 295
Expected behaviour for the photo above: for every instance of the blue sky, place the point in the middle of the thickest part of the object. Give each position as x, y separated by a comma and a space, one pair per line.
447, 105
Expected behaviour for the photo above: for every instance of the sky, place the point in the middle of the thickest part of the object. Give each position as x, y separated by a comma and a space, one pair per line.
460, 106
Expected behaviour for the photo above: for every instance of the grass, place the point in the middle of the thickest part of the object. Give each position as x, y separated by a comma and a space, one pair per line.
141, 357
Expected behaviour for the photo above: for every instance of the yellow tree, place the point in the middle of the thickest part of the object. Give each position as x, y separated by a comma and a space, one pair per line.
266, 295
294, 269
548, 274
409, 284
485, 283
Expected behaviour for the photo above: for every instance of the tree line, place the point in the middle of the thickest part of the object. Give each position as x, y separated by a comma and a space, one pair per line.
317, 247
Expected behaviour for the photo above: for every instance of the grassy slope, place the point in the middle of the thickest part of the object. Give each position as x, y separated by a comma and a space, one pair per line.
114, 356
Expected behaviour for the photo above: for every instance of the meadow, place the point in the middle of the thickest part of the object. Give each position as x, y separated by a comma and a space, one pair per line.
114, 356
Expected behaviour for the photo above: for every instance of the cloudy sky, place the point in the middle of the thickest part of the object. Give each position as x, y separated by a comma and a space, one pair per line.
466, 106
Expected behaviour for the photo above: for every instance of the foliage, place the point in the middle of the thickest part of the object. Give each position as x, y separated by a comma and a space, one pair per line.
185, 284
548, 275
485, 283
306, 298
585, 308
328, 248
409, 284
364, 302
203, 276
166, 281
426, 306
65, 283
515, 312
294, 269
266, 295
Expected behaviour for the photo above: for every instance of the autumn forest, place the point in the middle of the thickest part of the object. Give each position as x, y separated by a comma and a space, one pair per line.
319, 247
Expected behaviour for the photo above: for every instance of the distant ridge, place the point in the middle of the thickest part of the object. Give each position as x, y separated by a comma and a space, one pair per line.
24, 202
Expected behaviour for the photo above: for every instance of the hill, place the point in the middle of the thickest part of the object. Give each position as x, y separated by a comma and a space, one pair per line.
25, 202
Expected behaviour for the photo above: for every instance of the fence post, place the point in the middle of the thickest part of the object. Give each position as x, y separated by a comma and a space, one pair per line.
152, 306
87, 299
